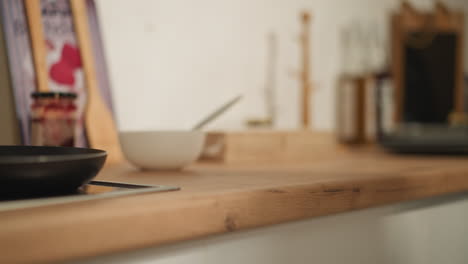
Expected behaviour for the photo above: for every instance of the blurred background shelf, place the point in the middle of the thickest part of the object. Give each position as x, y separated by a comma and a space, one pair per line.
268, 146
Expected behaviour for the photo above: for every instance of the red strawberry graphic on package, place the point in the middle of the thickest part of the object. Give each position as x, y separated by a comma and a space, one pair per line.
62, 72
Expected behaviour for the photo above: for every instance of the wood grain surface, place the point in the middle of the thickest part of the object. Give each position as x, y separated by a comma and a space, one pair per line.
38, 45
217, 199
101, 129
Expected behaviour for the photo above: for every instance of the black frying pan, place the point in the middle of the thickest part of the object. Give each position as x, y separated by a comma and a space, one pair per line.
27, 171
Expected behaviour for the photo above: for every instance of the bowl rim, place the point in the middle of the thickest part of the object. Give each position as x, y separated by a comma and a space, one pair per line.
162, 132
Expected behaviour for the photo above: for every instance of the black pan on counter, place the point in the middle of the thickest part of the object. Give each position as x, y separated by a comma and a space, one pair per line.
28, 171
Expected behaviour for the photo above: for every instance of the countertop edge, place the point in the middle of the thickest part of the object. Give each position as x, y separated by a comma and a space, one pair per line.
67, 232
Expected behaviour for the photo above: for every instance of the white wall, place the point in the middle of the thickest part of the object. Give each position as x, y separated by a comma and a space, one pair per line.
172, 61
431, 231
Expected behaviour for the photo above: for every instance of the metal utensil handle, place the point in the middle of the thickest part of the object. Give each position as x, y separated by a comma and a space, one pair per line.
217, 113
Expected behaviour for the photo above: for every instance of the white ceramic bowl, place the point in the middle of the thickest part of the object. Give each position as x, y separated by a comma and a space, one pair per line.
162, 150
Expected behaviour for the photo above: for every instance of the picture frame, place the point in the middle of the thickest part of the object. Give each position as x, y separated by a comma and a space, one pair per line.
408, 20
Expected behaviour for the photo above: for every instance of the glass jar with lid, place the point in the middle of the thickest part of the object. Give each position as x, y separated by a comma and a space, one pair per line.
53, 119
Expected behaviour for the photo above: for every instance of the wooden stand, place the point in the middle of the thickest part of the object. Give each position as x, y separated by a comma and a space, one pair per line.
305, 71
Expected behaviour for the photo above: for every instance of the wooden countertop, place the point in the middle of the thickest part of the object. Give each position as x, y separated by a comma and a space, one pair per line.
216, 199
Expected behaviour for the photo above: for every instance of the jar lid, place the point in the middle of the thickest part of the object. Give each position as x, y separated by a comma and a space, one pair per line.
69, 95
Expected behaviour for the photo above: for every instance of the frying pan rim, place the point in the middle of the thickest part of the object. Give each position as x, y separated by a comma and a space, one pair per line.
18, 159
